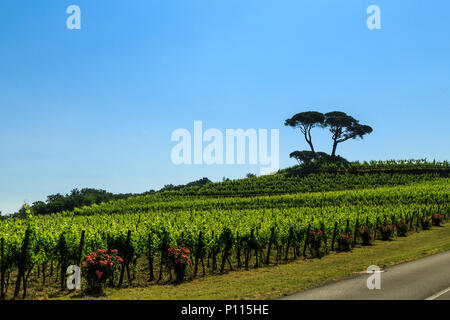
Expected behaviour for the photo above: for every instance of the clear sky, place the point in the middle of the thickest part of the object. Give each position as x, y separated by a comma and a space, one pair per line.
96, 107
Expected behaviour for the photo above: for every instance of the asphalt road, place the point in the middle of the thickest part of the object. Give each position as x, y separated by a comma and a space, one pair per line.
424, 279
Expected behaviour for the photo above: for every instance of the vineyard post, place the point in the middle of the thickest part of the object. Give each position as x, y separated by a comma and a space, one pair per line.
272, 234
249, 249
163, 255
417, 222
214, 263
261, 250
325, 237
356, 230
21, 264
130, 279
108, 247
2, 269
288, 243
238, 251
410, 222
226, 253
197, 253
306, 240
80, 250
63, 262
346, 228
334, 235
257, 262
125, 262
376, 227
150, 258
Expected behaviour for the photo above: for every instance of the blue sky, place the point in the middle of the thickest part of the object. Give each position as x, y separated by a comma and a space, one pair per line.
96, 107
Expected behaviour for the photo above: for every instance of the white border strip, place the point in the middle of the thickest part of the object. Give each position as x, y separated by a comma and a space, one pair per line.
437, 295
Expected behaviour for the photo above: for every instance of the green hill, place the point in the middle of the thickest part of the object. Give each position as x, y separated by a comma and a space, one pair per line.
303, 210
298, 179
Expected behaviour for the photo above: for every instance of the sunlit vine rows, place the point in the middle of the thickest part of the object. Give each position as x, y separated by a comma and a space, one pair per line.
254, 222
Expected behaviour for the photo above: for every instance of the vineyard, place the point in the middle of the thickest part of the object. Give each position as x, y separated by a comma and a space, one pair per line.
326, 177
256, 221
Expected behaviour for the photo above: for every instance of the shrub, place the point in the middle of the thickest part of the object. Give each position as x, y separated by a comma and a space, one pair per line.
387, 232
179, 259
426, 223
366, 235
437, 219
402, 228
345, 243
99, 266
315, 242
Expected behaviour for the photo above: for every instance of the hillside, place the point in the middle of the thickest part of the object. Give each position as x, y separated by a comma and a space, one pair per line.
241, 223
288, 181
324, 176
313, 177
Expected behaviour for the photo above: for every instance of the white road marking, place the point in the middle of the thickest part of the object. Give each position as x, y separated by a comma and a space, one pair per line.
437, 295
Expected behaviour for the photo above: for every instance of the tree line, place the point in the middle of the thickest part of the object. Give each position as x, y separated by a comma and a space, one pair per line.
89, 196
75, 199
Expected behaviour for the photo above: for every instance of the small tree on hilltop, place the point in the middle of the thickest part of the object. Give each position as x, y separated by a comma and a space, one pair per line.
305, 121
344, 127
306, 156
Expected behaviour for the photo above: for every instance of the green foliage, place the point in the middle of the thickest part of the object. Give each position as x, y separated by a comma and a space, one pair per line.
176, 219
277, 208
345, 242
387, 232
341, 125
402, 228
344, 127
87, 197
198, 183
75, 199
365, 233
305, 121
306, 157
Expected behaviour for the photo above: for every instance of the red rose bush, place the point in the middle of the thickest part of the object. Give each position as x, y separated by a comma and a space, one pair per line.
179, 259
99, 266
